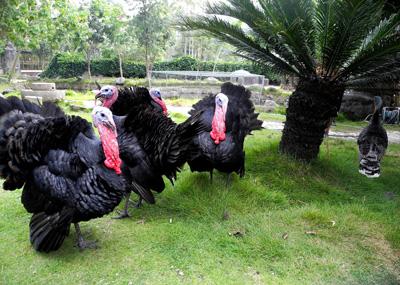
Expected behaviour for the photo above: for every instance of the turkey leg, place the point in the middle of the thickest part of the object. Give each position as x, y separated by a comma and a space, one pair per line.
81, 243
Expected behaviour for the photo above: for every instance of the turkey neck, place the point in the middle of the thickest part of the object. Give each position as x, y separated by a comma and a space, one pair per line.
162, 105
108, 137
378, 107
218, 125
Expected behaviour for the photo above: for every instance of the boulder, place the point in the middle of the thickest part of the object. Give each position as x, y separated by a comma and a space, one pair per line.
356, 105
120, 81
8, 90
269, 106
212, 80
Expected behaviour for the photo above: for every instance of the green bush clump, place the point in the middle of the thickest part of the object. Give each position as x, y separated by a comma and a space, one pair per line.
68, 65
65, 65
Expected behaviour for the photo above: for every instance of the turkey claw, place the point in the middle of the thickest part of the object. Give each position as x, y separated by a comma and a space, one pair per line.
122, 215
82, 244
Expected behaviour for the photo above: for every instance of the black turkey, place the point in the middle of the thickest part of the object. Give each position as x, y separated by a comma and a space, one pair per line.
229, 117
372, 143
151, 144
68, 175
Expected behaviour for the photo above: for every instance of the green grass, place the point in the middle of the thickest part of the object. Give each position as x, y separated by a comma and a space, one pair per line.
353, 228
187, 102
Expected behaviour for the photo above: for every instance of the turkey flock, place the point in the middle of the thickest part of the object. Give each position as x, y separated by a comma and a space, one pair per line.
69, 175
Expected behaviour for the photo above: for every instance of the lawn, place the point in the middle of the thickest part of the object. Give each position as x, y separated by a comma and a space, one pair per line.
283, 223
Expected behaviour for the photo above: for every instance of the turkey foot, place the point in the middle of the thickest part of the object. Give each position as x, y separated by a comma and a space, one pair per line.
81, 243
122, 215
137, 204
228, 180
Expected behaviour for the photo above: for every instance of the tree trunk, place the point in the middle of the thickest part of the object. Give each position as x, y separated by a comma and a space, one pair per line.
89, 71
148, 73
121, 73
311, 107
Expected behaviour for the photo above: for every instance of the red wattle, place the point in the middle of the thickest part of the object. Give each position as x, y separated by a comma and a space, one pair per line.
218, 126
109, 142
162, 105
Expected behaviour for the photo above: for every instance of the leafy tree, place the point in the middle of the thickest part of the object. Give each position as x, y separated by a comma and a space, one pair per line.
152, 30
329, 45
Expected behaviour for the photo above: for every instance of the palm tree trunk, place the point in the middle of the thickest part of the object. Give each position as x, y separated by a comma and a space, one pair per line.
311, 107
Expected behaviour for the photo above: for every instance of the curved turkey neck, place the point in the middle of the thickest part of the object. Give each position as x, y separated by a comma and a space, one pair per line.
218, 125
108, 103
378, 106
108, 138
162, 105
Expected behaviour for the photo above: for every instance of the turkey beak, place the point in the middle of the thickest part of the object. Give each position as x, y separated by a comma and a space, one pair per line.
109, 125
98, 99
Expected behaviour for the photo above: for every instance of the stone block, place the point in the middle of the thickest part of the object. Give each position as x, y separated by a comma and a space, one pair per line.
47, 95
34, 99
43, 86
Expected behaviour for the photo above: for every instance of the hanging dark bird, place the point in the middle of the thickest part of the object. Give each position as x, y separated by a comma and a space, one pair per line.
372, 143
68, 175
229, 117
151, 144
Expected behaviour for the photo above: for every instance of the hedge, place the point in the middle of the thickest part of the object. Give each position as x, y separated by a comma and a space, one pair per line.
68, 65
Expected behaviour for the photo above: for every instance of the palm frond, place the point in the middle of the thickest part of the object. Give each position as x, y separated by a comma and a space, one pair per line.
293, 24
385, 80
343, 26
378, 49
262, 27
234, 35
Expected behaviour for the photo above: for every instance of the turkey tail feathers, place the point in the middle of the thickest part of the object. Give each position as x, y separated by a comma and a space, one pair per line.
48, 231
370, 167
145, 194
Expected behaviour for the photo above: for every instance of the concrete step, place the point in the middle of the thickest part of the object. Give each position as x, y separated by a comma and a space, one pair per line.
43, 86
46, 95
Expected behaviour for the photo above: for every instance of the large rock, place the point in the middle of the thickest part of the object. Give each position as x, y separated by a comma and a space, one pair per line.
120, 81
269, 106
356, 105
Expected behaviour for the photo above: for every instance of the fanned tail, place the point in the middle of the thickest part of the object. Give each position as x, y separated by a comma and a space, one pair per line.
48, 231
186, 133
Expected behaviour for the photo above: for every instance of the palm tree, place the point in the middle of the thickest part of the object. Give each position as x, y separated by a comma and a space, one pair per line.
329, 45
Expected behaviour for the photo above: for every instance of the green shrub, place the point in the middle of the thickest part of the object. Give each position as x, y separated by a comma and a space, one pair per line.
68, 65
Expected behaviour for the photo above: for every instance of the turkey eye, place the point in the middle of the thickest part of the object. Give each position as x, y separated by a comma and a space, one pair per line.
102, 115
